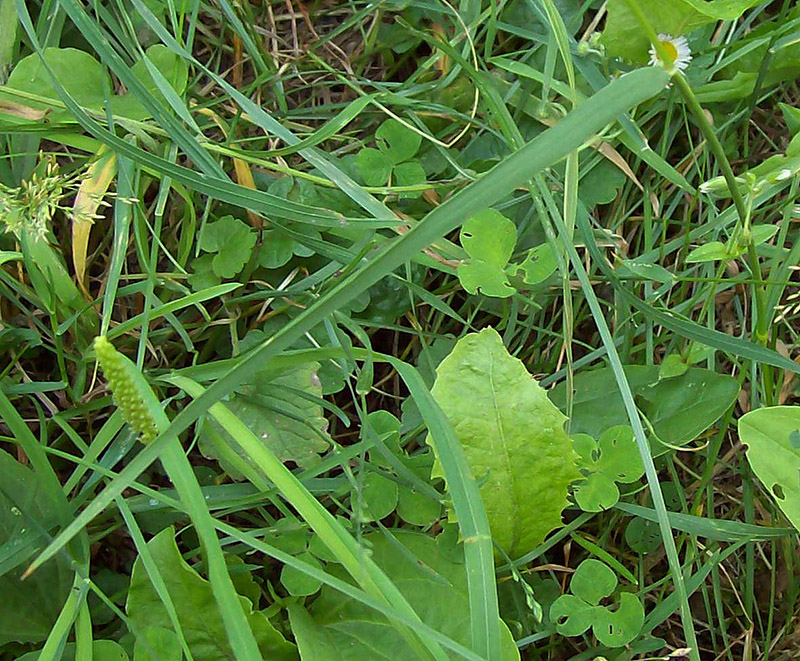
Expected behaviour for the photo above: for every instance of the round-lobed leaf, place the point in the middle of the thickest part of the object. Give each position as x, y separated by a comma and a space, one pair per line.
397, 141
592, 581
374, 166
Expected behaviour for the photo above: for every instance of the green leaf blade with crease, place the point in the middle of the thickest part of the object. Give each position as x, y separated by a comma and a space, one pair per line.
513, 438
198, 613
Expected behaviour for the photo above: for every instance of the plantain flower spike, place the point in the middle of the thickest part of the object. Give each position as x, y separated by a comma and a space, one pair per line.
125, 389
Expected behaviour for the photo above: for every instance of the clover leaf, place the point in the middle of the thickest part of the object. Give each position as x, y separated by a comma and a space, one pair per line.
232, 241
614, 458
489, 239
378, 496
575, 613
393, 159
397, 141
539, 264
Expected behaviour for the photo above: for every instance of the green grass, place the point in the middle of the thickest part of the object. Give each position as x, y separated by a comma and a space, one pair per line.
275, 245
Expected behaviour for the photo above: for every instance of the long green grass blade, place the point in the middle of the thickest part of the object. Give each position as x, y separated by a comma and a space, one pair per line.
543, 151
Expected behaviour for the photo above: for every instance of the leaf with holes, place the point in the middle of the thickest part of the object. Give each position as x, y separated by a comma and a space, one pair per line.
539, 264
397, 141
489, 239
772, 436
614, 458
574, 613
284, 411
513, 439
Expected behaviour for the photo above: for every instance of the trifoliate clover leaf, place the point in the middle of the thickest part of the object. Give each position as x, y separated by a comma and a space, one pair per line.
614, 458
397, 141
539, 264
374, 166
574, 613
233, 242
489, 239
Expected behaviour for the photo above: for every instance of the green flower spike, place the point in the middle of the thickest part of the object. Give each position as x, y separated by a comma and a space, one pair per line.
121, 377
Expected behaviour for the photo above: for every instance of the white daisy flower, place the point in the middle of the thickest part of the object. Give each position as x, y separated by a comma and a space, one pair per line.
677, 52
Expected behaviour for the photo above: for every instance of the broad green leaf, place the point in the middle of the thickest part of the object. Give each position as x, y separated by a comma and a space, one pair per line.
397, 141
232, 241
539, 264
203, 276
643, 536
572, 616
679, 409
288, 535
791, 116
646, 270
387, 427
489, 239
672, 365
410, 173
574, 613
769, 54
276, 250
763, 233
163, 644
198, 612
377, 499
102, 650
416, 508
280, 410
772, 436
172, 67
601, 184
79, 73
374, 166
624, 36
431, 577
592, 581
709, 252
29, 609
616, 628
296, 582
513, 439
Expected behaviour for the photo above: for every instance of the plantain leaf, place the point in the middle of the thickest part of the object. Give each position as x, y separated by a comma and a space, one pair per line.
679, 408
513, 439
284, 411
26, 514
429, 572
198, 613
772, 436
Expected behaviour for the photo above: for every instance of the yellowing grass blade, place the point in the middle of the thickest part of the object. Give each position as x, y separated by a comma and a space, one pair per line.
84, 210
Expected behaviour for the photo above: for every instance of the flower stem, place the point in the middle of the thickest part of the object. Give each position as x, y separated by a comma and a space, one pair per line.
727, 172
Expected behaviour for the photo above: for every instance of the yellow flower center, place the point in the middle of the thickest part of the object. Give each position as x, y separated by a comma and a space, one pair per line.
671, 51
